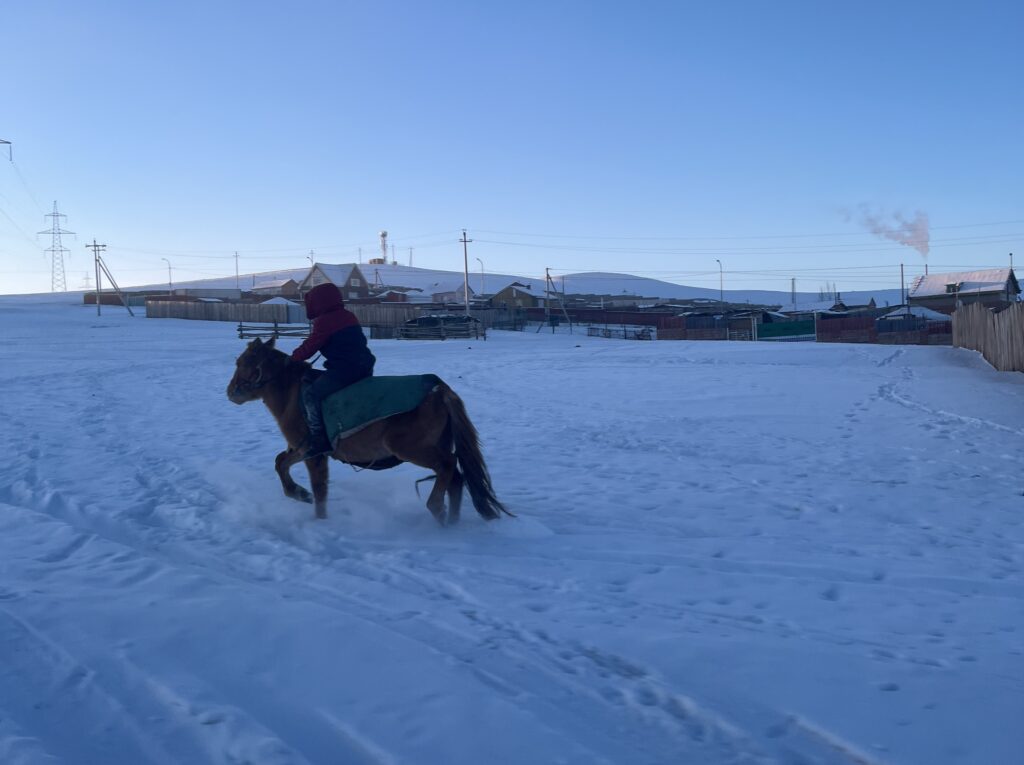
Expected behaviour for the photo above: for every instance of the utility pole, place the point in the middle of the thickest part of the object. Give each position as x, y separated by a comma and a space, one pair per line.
57, 250
237, 283
170, 281
465, 266
547, 300
903, 294
792, 290
10, 151
410, 257
721, 292
96, 250
394, 261
310, 256
483, 289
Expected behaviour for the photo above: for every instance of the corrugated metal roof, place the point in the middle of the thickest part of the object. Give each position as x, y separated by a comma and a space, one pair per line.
968, 283
919, 311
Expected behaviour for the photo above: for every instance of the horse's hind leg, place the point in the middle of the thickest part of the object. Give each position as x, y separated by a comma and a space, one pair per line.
282, 464
455, 496
445, 467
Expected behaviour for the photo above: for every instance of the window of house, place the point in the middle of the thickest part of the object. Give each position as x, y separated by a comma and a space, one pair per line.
353, 295
355, 283
952, 288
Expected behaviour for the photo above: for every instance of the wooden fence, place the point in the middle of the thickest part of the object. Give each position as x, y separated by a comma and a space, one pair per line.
233, 312
999, 337
273, 330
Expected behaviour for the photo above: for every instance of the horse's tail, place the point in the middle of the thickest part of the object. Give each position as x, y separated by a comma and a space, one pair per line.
471, 459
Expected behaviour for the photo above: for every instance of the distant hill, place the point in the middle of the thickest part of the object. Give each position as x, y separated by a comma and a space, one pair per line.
589, 283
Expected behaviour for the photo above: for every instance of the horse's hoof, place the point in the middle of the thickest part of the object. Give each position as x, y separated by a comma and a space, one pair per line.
321, 515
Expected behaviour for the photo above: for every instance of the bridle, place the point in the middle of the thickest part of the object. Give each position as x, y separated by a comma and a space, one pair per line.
255, 385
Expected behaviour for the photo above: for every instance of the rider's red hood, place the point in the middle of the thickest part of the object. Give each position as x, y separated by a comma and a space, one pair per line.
322, 299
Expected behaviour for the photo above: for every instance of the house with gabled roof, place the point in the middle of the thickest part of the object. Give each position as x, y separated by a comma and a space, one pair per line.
993, 287
345, 276
516, 295
450, 292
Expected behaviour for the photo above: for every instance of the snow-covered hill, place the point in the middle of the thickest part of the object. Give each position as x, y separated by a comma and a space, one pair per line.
596, 283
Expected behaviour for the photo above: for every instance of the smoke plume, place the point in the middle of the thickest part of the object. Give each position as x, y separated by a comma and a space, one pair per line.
913, 232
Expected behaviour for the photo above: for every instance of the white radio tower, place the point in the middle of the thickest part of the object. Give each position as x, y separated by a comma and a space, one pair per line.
57, 250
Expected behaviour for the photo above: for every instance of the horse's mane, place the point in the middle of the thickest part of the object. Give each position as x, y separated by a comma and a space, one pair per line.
284, 360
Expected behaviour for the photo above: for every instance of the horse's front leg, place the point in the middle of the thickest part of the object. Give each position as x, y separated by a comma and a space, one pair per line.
283, 463
318, 473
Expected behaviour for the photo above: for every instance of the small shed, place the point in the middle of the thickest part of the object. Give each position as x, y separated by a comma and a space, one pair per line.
288, 288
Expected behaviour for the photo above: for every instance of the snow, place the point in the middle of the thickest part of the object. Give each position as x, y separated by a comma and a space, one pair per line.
725, 553
280, 301
919, 311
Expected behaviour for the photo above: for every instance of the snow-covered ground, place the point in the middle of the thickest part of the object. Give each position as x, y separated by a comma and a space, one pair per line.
725, 553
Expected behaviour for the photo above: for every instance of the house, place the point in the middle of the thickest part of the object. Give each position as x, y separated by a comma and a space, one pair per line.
451, 292
288, 288
345, 276
516, 295
993, 287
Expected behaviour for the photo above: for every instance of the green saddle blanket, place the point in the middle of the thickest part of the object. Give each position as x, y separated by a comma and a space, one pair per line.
374, 398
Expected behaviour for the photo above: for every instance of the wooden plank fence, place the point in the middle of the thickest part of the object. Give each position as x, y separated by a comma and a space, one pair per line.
233, 312
999, 337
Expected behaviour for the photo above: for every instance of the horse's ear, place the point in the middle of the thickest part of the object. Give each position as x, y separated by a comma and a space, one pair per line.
271, 341
256, 343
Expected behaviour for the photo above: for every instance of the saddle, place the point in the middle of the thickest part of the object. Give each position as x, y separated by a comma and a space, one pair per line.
373, 399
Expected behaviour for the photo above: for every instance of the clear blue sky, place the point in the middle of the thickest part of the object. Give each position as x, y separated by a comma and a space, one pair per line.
649, 137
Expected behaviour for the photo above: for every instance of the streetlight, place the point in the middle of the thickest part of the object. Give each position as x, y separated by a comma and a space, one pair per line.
721, 299
482, 290
170, 283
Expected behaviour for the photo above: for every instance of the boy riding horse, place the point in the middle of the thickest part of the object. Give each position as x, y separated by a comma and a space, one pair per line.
338, 335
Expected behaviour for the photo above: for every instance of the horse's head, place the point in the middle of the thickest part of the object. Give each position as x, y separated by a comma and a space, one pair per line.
256, 367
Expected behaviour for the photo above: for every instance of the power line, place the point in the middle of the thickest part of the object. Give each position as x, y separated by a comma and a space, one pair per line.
745, 236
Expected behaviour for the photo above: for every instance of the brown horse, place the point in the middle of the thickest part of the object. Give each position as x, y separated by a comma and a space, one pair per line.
437, 435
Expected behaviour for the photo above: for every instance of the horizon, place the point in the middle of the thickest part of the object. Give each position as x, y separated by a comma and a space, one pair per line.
620, 284
692, 145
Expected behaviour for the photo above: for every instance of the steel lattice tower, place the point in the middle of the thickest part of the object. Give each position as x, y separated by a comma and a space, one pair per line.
57, 250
